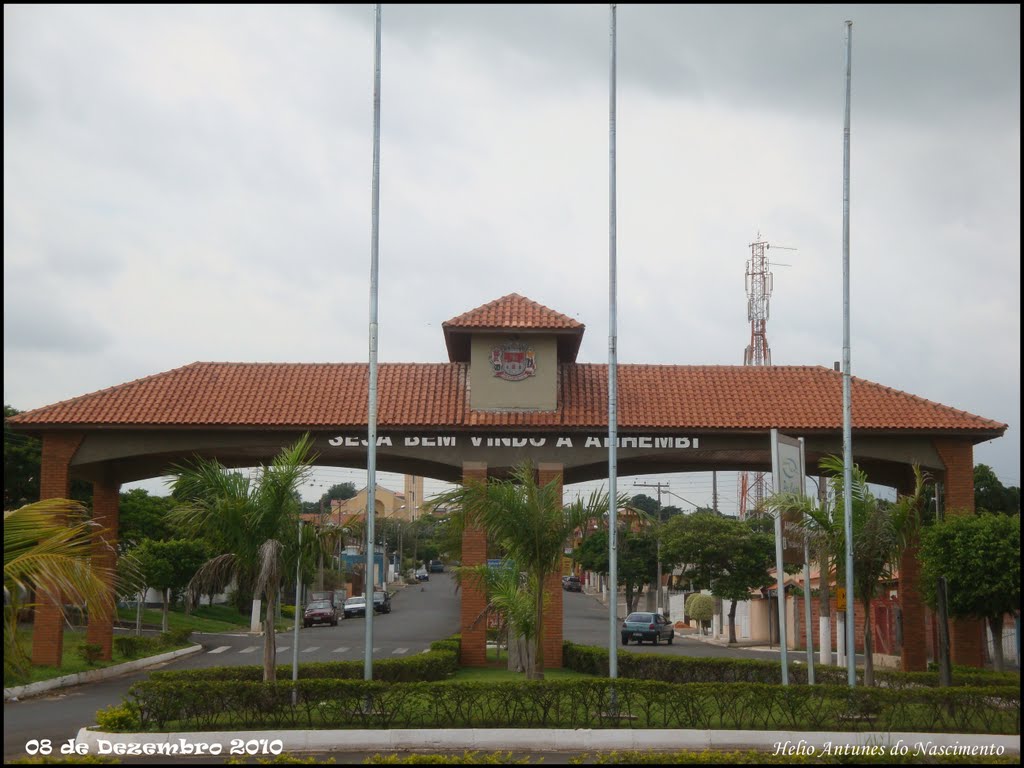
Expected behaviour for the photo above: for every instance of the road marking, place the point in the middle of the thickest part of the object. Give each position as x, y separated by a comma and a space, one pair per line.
283, 648
376, 649
250, 649
425, 650
398, 651
340, 650
311, 649
221, 649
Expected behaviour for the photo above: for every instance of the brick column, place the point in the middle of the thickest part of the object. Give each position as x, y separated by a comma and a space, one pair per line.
966, 636
552, 586
54, 483
474, 599
105, 500
914, 651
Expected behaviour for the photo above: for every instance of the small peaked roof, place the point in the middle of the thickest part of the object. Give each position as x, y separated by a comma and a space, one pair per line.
512, 313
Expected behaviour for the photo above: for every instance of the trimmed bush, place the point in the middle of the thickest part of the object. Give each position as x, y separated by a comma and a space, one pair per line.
593, 660
585, 703
90, 653
118, 717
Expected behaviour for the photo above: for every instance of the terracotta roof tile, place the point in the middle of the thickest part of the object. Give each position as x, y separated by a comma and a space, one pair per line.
513, 311
435, 395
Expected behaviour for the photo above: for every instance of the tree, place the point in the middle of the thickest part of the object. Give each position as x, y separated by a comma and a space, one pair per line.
645, 504
22, 457
990, 495
637, 560
142, 517
877, 537
530, 525
510, 598
338, 492
700, 608
731, 556
47, 549
979, 555
168, 566
254, 523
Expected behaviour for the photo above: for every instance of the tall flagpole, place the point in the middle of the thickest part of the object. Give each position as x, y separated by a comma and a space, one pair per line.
851, 655
613, 570
371, 414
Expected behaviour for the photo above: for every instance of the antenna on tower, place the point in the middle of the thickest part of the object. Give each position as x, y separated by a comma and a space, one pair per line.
759, 283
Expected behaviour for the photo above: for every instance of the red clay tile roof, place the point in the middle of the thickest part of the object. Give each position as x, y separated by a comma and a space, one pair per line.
513, 312
434, 395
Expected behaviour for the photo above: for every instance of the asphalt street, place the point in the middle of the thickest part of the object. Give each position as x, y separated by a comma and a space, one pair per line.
421, 614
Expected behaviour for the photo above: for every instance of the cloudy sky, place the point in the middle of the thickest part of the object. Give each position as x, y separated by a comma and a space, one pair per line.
189, 183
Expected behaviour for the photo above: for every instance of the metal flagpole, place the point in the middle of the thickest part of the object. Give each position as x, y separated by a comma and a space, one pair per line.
613, 570
371, 417
851, 656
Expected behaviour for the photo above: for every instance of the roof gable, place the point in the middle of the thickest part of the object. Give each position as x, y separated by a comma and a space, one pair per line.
512, 313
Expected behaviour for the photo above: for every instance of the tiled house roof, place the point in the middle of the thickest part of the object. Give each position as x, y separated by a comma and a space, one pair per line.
434, 395
512, 313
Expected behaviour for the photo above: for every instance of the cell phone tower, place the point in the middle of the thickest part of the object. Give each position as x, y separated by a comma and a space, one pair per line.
759, 291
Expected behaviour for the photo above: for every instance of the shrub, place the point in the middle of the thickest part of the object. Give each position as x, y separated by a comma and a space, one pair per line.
582, 703
132, 647
90, 653
118, 717
593, 660
288, 611
175, 637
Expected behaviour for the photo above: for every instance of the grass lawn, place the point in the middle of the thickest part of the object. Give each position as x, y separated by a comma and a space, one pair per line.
72, 660
206, 618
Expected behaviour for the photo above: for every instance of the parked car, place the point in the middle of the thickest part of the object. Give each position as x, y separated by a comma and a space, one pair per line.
647, 626
381, 602
320, 612
437, 567
355, 606
572, 584
422, 575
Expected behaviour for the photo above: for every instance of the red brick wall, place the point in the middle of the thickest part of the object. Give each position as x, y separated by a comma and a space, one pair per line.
966, 637
474, 599
54, 483
858, 614
105, 504
552, 587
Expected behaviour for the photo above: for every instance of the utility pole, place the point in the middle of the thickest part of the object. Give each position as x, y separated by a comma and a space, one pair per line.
657, 486
714, 490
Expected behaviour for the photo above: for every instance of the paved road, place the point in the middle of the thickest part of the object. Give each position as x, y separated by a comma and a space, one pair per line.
420, 615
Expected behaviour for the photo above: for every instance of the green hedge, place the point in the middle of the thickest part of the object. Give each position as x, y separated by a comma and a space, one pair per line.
593, 660
189, 705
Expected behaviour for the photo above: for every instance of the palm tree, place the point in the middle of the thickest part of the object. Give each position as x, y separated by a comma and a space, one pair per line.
510, 597
256, 523
528, 522
877, 538
47, 548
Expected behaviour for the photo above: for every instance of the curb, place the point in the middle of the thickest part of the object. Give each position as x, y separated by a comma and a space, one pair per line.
538, 739
92, 675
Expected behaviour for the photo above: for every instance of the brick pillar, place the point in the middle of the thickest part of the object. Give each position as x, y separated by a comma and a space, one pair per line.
914, 652
552, 586
105, 500
474, 598
966, 636
54, 483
